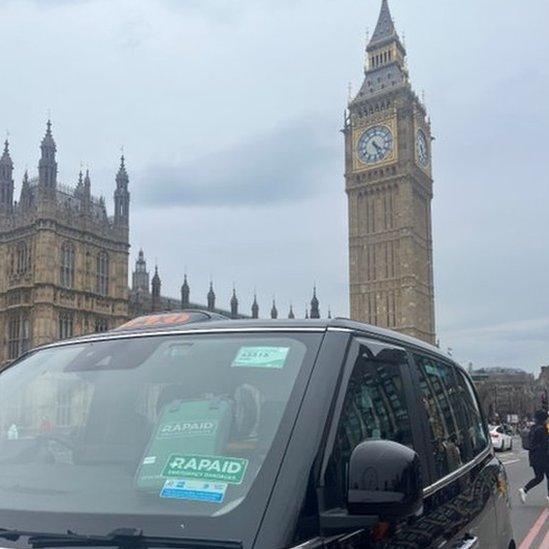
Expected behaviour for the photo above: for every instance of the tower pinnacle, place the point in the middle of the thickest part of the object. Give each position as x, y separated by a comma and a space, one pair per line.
274, 310
385, 29
6, 180
122, 196
234, 304
25, 197
5, 159
315, 305
140, 276
47, 167
385, 65
255, 307
211, 298
156, 288
291, 314
185, 293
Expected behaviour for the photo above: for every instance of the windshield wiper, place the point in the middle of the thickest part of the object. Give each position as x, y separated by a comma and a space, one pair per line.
124, 538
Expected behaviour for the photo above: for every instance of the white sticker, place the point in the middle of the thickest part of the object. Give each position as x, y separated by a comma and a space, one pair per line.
194, 490
149, 460
261, 357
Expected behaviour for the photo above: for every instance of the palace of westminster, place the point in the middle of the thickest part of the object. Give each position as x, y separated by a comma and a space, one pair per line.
65, 261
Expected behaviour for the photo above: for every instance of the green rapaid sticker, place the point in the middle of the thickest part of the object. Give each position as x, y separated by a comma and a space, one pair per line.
261, 357
213, 468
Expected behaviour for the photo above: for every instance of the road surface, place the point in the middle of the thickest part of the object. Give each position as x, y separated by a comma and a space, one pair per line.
530, 520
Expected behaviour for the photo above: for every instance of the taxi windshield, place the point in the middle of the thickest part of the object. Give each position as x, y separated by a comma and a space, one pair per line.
154, 425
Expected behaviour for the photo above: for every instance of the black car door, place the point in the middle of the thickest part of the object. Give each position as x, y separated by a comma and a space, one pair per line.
459, 505
376, 402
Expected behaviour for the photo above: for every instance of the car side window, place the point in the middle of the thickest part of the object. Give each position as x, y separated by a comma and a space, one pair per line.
473, 430
374, 408
455, 421
438, 390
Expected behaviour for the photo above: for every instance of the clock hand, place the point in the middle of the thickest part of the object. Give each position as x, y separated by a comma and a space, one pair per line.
378, 148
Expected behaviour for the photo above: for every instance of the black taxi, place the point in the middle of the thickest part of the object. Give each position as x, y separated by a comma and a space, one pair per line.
190, 430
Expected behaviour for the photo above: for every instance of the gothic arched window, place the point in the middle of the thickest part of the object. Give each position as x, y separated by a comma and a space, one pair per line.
66, 325
18, 335
20, 265
67, 265
102, 273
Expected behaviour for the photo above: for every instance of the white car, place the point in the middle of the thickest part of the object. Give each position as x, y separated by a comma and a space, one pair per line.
500, 439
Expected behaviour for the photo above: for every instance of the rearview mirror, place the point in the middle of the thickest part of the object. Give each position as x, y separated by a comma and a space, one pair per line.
384, 480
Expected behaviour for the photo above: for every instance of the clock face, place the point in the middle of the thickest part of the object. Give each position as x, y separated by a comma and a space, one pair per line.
375, 145
422, 148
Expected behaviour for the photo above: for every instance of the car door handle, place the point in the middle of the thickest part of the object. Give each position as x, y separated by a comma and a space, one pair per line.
468, 542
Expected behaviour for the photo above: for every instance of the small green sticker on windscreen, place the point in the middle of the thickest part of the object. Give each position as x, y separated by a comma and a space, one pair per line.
261, 357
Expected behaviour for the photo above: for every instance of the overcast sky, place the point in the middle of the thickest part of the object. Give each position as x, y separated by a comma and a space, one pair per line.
229, 112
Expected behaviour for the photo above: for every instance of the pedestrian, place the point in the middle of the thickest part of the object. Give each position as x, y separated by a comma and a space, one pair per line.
538, 454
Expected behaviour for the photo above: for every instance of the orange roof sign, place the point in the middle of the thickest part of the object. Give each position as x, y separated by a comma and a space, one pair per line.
156, 321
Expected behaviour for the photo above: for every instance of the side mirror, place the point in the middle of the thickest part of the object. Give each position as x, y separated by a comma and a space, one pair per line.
384, 480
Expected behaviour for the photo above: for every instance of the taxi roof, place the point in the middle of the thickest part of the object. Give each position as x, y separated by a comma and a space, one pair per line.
204, 321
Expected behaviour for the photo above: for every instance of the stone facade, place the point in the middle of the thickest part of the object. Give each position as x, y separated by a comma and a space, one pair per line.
506, 391
390, 188
64, 260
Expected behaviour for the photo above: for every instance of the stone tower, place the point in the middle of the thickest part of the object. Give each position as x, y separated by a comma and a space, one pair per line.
390, 189
64, 260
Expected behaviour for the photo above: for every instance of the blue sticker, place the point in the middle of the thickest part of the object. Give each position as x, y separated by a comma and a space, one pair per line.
194, 490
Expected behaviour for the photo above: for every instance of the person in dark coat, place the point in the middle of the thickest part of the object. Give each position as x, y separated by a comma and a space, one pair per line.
538, 454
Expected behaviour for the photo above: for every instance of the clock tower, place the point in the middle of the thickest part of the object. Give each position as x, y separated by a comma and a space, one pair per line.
390, 188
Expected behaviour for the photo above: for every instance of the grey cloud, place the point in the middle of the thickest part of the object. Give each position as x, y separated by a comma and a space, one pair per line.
289, 163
